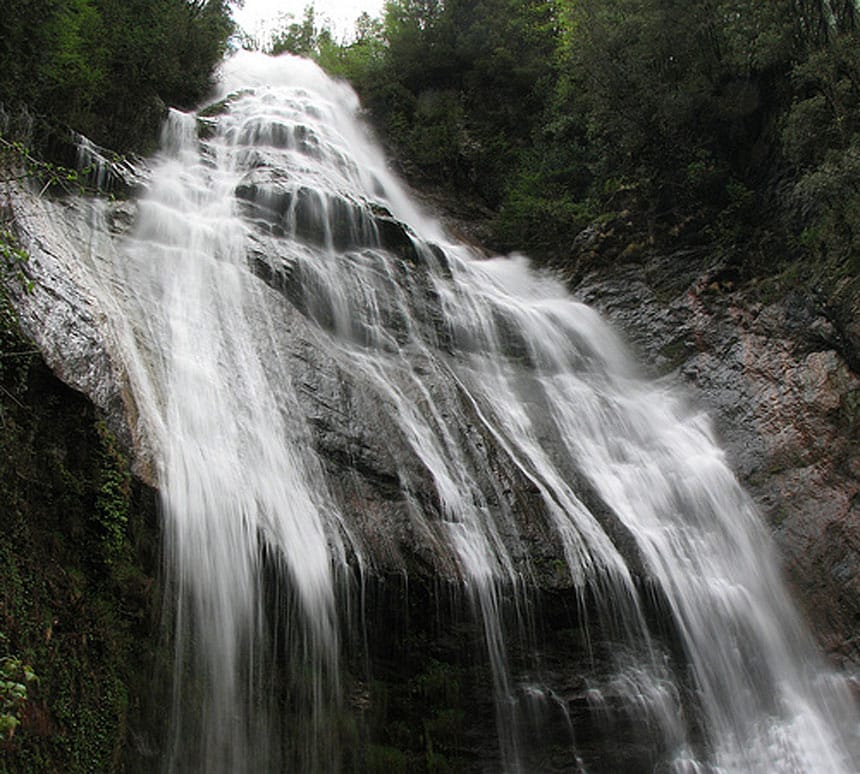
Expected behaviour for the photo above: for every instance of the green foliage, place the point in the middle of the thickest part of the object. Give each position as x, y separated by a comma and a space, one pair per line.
75, 70
15, 680
699, 106
667, 89
13, 351
361, 61
113, 497
828, 198
439, 684
541, 210
20, 162
13, 259
386, 760
826, 111
109, 67
299, 38
821, 138
73, 600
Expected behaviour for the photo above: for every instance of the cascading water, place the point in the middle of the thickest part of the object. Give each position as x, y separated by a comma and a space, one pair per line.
271, 239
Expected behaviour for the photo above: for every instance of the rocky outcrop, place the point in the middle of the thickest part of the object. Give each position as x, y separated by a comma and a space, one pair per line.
773, 368
63, 314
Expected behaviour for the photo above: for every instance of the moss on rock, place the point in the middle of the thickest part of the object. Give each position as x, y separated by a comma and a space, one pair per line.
76, 558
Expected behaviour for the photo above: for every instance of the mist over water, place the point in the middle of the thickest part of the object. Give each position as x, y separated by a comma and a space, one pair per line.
276, 202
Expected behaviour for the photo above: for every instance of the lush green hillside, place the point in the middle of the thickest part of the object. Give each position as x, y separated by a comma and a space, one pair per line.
733, 122
108, 68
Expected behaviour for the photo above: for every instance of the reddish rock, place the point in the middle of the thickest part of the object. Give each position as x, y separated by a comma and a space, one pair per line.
785, 402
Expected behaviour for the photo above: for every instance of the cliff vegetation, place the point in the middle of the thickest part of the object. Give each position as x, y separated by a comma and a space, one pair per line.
108, 68
728, 123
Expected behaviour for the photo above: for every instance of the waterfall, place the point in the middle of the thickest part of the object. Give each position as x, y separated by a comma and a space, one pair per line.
298, 335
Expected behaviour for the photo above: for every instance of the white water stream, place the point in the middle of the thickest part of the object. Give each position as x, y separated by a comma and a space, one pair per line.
444, 342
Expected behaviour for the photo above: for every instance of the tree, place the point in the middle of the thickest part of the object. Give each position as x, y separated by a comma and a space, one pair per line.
299, 38
109, 67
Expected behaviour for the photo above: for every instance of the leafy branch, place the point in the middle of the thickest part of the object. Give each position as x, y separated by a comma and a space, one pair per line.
15, 679
19, 163
13, 258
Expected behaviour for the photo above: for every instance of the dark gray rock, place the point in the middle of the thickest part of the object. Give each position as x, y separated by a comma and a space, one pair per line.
372, 470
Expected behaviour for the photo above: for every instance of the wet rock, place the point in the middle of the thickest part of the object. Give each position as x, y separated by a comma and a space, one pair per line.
106, 172
223, 105
320, 218
121, 216
269, 133
398, 238
68, 323
777, 380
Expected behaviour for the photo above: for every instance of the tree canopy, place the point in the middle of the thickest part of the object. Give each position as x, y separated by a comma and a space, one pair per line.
108, 68
702, 116
706, 118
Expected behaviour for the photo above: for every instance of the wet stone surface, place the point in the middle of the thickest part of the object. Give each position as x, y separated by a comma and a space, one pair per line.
775, 377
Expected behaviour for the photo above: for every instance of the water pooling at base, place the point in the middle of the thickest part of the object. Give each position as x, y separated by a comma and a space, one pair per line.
273, 205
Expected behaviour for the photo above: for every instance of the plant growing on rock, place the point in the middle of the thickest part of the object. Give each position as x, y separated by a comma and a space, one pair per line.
15, 679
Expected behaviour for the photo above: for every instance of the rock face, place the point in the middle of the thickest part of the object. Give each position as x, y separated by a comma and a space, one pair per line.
772, 369
68, 322
370, 465
370, 424
419, 696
